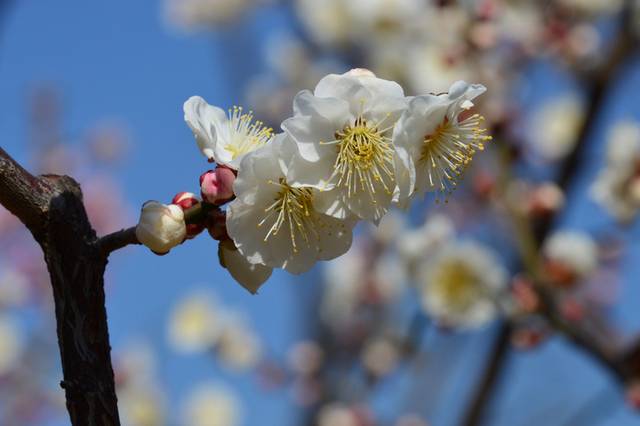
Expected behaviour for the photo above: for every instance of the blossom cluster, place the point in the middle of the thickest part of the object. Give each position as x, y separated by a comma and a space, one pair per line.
353, 148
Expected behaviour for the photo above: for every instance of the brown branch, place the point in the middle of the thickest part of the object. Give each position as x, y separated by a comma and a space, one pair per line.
51, 208
117, 240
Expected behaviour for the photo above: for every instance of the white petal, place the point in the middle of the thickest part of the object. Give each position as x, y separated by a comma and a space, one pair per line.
203, 119
250, 276
309, 133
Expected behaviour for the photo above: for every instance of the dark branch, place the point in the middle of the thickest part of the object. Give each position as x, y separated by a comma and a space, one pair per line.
117, 240
51, 207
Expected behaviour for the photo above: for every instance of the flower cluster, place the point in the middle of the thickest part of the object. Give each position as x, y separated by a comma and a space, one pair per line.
354, 147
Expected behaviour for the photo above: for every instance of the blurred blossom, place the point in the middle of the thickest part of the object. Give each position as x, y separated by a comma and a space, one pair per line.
11, 344
14, 287
141, 405
238, 346
411, 420
211, 404
391, 225
593, 7
570, 256
306, 357
617, 187
337, 414
555, 127
380, 356
204, 14
416, 244
460, 285
328, 22
195, 323
105, 204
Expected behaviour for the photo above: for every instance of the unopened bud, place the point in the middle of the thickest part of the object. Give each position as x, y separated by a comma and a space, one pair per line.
187, 200
216, 223
161, 227
572, 310
216, 185
360, 72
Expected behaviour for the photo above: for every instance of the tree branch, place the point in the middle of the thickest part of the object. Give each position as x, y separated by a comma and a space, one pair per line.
51, 207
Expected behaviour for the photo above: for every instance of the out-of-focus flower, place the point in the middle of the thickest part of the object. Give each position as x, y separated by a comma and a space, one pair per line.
411, 420
570, 256
326, 21
217, 185
414, 245
11, 344
237, 345
204, 14
211, 405
249, 275
141, 406
195, 324
14, 287
141, 401
337, 414
460, 286
436, 141
343, 137
545, 199
555, 126
380, 356
275, 223
221, 138
306, 357
161, 227
617, 187
593, 7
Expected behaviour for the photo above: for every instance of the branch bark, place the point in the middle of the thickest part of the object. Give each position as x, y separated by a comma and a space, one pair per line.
51, 208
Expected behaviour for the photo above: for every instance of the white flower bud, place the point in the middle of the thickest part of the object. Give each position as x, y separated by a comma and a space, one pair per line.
161, 227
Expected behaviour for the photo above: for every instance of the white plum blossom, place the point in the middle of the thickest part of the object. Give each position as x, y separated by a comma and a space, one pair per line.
161, 227
211, 404
436, 139
195, 323
343, 136
11, 344
575, 251
224, 138
617, 187
555, 125
276, 224
203, 14
461, 285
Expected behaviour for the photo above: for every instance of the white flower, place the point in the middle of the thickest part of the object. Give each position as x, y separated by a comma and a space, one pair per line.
343, 135
161, 227
238, 345
223, 138
276, 224
436, 142
555, 127
337, 414
249, 275
195, 324
11, 344
211, 404
617, 187
460, 285
415, 244
574, 250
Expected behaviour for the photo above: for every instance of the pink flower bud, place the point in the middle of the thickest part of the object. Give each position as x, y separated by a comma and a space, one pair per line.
217, 185
186, 200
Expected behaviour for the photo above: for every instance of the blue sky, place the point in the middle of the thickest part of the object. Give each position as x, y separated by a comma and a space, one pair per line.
117, 60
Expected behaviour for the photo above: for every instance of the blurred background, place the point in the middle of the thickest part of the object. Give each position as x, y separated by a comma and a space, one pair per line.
546, 216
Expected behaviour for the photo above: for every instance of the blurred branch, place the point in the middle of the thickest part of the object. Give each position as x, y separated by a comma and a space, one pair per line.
596, 87
51, 208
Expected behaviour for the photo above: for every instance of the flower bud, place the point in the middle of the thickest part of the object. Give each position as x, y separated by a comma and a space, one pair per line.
186, 200
216, 223
217, 185
161, 227
360, 72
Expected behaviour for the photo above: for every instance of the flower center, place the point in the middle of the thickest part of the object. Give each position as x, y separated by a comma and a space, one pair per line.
365, 158
457, 284
450, 148
246, 135
292, 210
